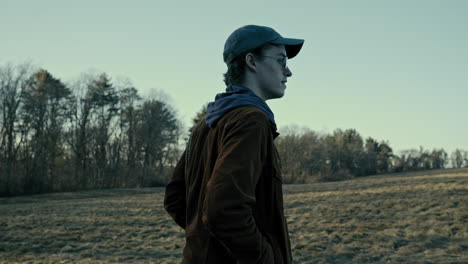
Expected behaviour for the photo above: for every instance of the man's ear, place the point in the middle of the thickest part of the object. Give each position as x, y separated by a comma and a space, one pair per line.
250, 62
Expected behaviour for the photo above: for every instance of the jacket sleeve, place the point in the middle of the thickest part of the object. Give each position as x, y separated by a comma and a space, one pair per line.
230, 194
175, 195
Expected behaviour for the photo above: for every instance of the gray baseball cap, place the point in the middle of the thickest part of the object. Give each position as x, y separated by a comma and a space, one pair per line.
252, 36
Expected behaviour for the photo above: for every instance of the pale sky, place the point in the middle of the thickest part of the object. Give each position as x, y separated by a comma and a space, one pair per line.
392, 70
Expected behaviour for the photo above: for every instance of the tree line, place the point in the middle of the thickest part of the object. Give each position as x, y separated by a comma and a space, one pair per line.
308, 156
93, 133
88, 134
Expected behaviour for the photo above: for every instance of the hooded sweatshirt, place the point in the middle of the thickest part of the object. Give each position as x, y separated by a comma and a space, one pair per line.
234, 97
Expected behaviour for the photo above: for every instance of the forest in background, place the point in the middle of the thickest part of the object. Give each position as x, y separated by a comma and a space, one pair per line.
93, 134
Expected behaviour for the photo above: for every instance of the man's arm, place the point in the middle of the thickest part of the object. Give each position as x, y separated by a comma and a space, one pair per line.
174, 198
230, 193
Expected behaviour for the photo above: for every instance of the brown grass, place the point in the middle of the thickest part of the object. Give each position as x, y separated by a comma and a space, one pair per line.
408, 218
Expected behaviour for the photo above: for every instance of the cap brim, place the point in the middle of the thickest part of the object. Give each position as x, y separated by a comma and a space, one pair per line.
292, 46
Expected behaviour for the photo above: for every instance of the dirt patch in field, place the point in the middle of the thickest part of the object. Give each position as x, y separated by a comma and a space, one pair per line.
105, 226
387, 219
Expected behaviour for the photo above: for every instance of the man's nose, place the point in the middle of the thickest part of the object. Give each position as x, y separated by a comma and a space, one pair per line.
288, 72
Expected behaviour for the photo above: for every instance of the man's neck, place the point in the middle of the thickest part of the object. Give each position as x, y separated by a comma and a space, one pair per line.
255, 89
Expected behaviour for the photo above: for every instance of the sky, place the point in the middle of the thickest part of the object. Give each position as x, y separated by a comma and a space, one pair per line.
392, 70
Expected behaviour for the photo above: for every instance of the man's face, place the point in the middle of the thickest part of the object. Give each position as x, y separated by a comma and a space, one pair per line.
272, 72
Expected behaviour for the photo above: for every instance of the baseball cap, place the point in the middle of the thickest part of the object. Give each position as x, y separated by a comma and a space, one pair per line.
252, 36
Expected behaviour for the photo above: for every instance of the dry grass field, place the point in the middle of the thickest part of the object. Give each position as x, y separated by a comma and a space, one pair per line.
406, 218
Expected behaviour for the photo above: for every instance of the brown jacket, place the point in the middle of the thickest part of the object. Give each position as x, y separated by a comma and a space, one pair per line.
227, 193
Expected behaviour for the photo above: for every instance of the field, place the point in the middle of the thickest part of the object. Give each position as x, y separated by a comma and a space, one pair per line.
406, 218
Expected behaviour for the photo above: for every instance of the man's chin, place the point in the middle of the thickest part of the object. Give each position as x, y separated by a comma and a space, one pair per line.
276, 96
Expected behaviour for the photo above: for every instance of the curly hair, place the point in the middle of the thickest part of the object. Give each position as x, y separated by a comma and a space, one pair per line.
236, 69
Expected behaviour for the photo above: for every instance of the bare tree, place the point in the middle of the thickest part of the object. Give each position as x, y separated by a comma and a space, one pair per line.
13, 79
77, 135
45, 109
158, 130
384, 156
439, 159
345, 152
457, 158
128, 143
104, 99
302, 155
372, 150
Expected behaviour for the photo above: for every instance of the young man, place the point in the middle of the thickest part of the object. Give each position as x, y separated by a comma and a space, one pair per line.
226, 191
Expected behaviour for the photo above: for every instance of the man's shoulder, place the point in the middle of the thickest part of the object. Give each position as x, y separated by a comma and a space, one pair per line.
240, 116
246, 113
